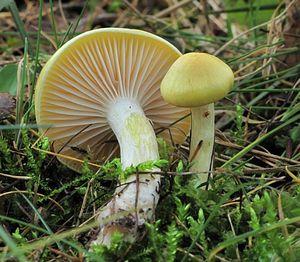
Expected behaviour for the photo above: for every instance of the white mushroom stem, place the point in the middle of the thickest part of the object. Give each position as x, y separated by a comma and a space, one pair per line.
137, 196
202, 140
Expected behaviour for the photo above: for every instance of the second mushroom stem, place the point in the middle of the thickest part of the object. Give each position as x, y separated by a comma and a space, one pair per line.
202, 141
135, 199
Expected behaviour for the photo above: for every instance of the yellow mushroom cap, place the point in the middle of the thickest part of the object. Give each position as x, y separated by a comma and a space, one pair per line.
83, 78
196, 79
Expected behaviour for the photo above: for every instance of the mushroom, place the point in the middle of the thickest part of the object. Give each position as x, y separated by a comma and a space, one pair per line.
197, 80
103, 86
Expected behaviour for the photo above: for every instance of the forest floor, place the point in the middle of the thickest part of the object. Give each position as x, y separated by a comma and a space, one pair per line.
251, 210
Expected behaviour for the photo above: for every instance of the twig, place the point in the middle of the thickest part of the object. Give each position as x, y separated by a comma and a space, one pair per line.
253, 28
233, 231
68, 257
84, 201
237, 200
257, 152
16, 177
172, 8
28, 192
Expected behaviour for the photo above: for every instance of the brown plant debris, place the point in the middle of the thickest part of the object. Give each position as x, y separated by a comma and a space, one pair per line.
7, 105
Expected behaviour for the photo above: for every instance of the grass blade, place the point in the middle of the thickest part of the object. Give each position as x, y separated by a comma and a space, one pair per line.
15, 250
259, 140
19, 24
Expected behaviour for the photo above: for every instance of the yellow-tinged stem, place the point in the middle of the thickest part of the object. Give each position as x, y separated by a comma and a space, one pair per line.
138, 195
202, 141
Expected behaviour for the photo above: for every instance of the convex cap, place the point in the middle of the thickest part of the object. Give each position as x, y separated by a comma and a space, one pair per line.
196, 79
83, 79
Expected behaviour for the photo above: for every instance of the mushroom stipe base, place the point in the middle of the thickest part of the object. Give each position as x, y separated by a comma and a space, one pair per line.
138, 195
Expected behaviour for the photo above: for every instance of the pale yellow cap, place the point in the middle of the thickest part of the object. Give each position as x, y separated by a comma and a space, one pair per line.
196, 79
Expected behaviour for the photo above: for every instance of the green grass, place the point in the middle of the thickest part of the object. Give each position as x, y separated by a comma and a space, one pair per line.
251, 211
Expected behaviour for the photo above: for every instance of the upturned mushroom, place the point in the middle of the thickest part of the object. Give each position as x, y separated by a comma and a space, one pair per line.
103, 86
197, 80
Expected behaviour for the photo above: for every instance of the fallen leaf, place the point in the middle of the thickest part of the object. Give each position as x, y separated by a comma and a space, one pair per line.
8, 79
